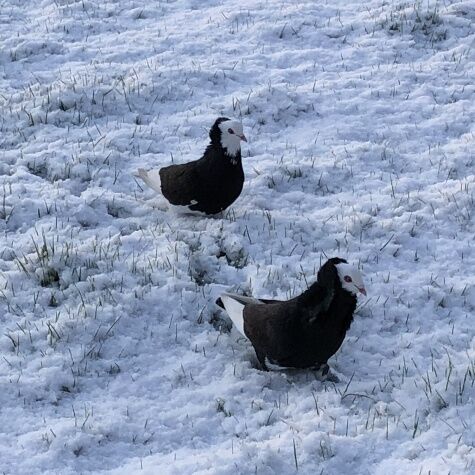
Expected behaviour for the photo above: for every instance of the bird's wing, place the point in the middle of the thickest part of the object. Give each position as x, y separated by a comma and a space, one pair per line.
278, 329
180, 183
315, 302
273, 329
269, 301
234, 305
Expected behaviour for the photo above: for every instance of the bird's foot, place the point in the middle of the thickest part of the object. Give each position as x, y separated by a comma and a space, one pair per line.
323, 373
262, 361
263, 366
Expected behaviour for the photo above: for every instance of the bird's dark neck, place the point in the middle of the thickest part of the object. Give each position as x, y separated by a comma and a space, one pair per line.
313, 295
324, 289
234, 159
322, 295
344, 305
217, 151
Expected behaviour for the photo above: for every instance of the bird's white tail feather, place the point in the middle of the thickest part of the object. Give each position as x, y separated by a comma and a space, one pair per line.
234, 305
151, 178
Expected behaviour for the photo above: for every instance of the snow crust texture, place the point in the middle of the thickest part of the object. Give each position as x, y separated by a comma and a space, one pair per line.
360, 119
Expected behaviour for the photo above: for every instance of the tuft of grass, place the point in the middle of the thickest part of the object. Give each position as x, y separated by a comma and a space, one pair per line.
220, 407
417, 20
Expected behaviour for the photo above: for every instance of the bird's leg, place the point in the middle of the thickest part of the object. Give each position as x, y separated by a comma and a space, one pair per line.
322, 368
262, 360
323, 373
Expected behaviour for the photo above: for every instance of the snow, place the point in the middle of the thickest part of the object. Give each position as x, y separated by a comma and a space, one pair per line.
360, 119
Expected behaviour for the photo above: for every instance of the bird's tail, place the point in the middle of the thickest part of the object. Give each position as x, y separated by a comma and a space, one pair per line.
151, 178
234, 305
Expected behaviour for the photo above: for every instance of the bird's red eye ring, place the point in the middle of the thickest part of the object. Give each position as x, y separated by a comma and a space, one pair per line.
347, 278
231, 131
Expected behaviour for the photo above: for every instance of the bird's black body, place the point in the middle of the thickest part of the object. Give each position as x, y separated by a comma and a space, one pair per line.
305, 331
209, 184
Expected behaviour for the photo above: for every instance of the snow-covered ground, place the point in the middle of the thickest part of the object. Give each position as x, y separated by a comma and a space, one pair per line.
360, 117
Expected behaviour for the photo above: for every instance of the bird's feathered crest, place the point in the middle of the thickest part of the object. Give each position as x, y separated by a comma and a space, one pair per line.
328, 275
215, 132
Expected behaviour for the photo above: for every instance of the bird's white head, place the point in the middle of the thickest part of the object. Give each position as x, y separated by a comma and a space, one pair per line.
351, 278
231, 136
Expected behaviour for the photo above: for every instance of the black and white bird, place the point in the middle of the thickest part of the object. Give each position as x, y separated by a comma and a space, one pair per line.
212, 183
303, 332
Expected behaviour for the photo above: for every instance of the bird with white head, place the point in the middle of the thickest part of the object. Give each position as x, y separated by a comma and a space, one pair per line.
303, 332
231, 136
208, 185
350, 278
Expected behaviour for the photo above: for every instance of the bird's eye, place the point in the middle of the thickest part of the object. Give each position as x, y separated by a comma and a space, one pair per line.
231, 131
348, 278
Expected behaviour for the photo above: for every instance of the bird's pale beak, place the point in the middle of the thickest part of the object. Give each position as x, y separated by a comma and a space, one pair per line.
242, 137
362, 290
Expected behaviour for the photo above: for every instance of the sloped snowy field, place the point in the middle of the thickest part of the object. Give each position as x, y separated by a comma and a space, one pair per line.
360, 118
